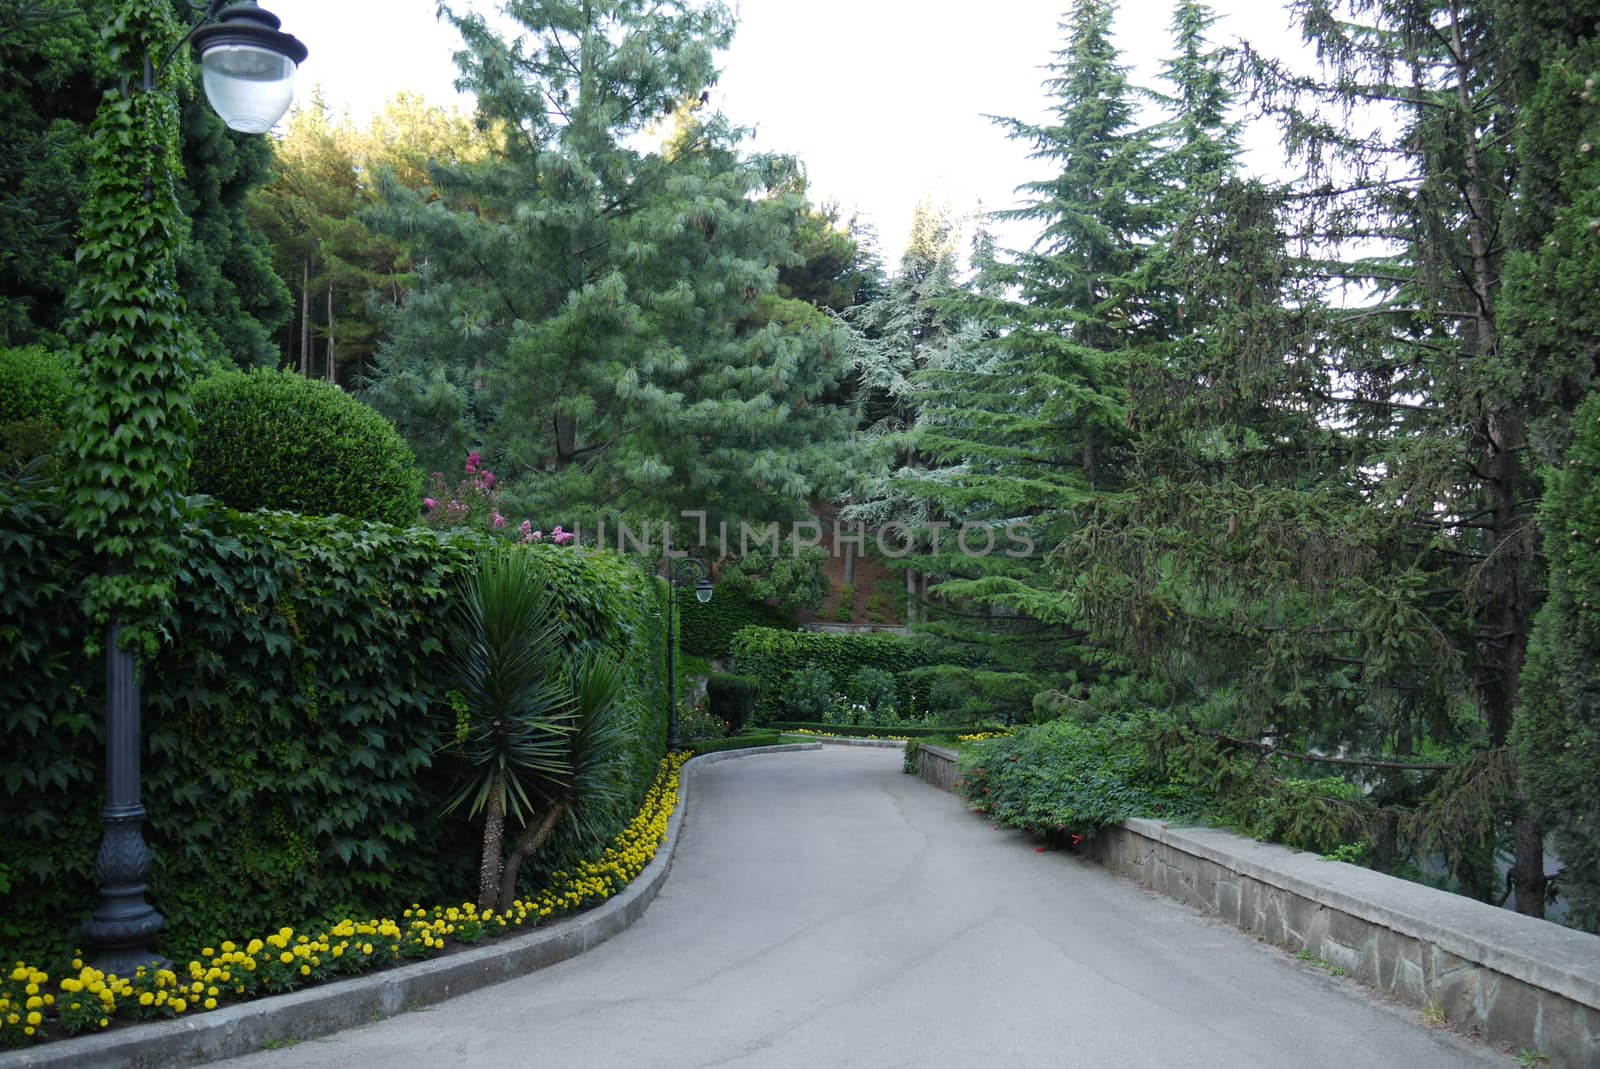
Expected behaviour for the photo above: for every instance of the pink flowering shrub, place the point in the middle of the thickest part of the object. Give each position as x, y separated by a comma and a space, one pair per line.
474, 502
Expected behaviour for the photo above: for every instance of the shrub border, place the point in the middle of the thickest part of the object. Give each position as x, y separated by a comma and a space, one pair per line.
317, 1011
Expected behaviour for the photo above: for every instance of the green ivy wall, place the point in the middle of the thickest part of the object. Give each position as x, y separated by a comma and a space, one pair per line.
293, 721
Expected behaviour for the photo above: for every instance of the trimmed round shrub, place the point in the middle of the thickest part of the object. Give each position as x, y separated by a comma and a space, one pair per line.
277, 440
34, 387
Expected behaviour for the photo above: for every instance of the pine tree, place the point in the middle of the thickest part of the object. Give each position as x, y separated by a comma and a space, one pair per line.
1415, 217
611, 315
327, 174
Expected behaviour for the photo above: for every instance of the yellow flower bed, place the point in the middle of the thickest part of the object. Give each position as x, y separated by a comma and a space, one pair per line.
980, 736
88, 999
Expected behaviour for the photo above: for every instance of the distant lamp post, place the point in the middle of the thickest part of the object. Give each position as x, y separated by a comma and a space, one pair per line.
680, 572
248, 76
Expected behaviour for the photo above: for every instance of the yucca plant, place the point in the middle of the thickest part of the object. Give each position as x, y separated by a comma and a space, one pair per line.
590, 795
514, 732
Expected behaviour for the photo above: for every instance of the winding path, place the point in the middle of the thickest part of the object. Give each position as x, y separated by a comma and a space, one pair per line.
825, 910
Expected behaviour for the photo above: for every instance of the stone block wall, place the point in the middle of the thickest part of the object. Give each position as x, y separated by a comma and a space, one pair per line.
937, 766
1529, 984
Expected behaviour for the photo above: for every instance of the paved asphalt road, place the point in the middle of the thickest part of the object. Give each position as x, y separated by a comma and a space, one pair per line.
825, 910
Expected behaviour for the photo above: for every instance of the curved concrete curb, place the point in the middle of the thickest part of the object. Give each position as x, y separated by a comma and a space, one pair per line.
317, 1011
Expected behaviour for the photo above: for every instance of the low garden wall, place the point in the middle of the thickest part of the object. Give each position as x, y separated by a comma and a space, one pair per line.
938, 766
1513, 980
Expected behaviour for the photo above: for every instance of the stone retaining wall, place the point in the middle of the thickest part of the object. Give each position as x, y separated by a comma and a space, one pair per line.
938, 766
1528, 984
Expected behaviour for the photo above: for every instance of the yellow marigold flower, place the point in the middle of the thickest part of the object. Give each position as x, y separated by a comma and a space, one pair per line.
70, 984
34, 1002
211, 1003
305, 970
36, 1018
178, 1005
227, 947
286, 957
254, 947
146, 998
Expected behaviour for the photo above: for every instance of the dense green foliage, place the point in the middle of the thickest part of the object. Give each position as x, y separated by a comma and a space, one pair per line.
1061, 778
737, 742
130, 422
1276, 444
55, 65
1070, 779
1558, 733
807, 693
276, 440
867, 730
298, 688
707, 629
33, 385
773, 657
34, 390
608, 320
732, 698
347, 278
874, 688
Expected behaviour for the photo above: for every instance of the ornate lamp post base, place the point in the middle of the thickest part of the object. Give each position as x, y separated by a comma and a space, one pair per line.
124, 923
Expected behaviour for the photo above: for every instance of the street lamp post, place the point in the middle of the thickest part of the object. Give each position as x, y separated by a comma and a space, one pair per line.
680, 571
247, 69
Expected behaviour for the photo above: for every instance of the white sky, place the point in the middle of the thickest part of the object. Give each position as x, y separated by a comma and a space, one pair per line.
882, 100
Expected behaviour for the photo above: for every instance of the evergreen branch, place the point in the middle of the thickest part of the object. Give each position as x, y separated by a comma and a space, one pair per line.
1274, 751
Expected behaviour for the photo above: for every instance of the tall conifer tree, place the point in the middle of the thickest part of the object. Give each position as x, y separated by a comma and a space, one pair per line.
613, 311
1029, 427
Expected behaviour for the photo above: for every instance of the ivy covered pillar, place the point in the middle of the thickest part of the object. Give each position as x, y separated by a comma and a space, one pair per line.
129, 430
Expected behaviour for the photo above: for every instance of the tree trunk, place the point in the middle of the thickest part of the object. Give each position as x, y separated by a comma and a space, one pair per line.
1508, 602
533, 837
494, 833
305, 316
330, 333
566, 438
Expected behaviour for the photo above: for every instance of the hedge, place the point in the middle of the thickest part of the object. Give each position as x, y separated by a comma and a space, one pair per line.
773, 656
290, 725
874, 731
737, 742
707, 629
34, 387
